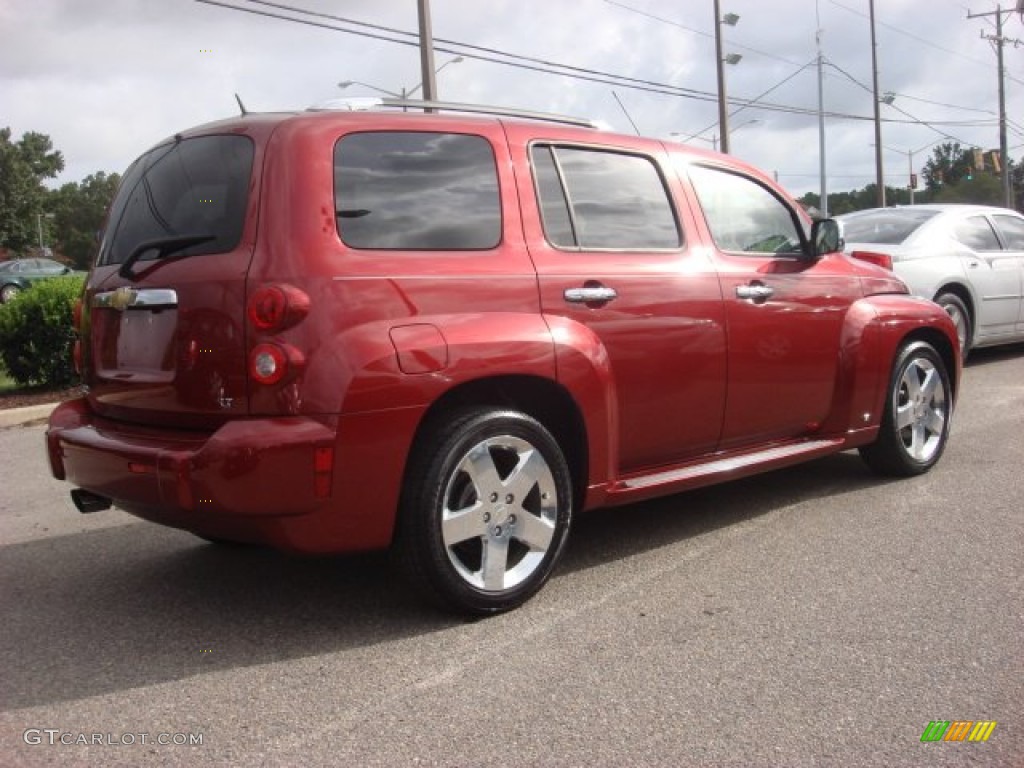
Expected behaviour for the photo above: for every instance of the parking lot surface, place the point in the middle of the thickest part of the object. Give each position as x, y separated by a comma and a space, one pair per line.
814, 616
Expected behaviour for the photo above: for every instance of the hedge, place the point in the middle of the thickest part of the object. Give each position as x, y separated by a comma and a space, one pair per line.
36, 334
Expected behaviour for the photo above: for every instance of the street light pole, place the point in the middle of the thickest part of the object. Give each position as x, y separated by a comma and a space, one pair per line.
720, 60
879, 172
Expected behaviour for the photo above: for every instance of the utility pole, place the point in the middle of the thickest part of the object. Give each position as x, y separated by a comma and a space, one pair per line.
823, 201
879, 172
427, 76
1001, 41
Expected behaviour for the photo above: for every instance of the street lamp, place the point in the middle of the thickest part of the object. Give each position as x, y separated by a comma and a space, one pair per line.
729, 19
406, 92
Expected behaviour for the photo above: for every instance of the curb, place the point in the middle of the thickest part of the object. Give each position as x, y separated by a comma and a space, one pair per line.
16, 417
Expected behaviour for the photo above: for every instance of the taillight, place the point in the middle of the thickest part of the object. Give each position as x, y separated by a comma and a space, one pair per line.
267, 363
270, 363
277, 307
879, 259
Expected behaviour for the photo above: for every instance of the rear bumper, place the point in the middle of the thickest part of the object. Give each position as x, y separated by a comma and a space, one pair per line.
244, 481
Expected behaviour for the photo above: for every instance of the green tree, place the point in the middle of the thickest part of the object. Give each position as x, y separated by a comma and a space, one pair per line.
80, 208
948, 164
23, 167
982, 188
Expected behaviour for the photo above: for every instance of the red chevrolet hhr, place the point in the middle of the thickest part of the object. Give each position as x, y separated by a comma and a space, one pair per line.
447, 333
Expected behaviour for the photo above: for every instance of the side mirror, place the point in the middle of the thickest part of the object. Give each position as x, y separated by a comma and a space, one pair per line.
826, 237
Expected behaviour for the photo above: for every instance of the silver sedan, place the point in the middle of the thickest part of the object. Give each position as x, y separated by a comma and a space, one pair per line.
967, 258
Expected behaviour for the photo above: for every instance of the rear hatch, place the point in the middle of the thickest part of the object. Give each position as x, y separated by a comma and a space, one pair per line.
163, 313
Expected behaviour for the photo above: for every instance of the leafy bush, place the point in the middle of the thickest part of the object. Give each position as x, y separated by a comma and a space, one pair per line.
36, 334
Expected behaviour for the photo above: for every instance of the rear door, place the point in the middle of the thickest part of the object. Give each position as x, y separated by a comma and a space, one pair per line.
609, 247
995, 274
163, 334
1011, 233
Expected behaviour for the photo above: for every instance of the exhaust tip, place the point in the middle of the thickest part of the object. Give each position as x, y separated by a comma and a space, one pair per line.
86, 501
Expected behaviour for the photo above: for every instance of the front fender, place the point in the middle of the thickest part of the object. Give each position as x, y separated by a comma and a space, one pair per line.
874, 330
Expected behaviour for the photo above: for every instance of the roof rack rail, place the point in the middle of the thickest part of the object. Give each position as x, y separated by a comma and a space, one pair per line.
450, 106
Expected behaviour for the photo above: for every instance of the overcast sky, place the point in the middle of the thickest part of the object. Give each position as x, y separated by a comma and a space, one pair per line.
106, 79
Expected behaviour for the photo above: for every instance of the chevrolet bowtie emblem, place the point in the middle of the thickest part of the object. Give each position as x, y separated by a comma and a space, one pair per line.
123, 298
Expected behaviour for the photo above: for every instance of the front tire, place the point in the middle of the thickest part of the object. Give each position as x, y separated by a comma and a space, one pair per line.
485, 511
918, 410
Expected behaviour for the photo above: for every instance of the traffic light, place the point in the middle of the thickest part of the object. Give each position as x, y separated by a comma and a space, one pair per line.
913, 181
979, 160
996, 165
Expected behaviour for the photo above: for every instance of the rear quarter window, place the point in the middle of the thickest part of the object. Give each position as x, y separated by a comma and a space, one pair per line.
193, 186
416, 190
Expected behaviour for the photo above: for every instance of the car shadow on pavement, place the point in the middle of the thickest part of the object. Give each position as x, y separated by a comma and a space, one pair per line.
138, 604
991, 355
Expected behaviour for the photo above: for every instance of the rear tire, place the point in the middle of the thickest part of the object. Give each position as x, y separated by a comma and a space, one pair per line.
916, 420
485, 511
957, 311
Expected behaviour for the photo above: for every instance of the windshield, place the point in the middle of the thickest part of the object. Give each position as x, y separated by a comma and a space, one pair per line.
889, 226
191, 187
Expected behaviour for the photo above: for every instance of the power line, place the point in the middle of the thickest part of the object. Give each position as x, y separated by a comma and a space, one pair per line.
922, 40
497, 56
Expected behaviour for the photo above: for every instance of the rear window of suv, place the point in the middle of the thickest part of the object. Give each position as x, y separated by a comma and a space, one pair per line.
191, 187
396, 190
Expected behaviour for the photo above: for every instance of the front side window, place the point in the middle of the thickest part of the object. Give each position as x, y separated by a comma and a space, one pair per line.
594, 199
191, 187
976, 233
743, 216
398, 190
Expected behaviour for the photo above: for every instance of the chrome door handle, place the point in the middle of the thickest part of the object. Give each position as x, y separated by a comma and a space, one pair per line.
590, 294
755, 292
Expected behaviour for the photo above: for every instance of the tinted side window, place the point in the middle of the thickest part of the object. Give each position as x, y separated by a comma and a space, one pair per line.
744, 216
615, 201
191, 187
416, 191
1012, 230
554, 208
976, 233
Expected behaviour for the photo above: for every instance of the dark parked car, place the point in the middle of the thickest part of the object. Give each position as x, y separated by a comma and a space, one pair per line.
449, 334
18, 274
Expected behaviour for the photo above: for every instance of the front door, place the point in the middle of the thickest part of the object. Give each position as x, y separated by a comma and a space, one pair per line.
784, 311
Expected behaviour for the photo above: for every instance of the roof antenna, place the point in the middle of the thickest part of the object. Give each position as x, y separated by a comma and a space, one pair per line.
623, 108
241, 106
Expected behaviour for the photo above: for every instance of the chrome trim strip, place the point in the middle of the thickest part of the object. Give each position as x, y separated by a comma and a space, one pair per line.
130, 298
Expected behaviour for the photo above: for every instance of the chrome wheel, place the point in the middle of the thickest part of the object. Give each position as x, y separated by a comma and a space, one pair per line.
921, 409
485, 512
8, 292
499, 514
915, 424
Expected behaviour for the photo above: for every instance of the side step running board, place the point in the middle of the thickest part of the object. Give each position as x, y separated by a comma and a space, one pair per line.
769, 457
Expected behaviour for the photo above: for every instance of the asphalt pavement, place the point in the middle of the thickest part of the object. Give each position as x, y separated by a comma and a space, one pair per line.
815, 616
